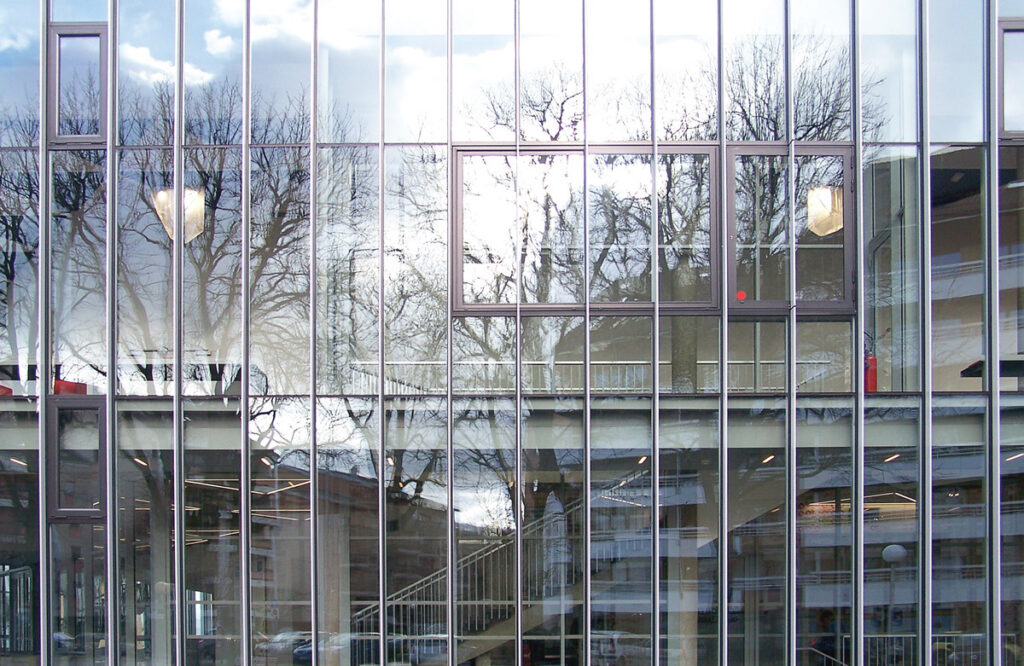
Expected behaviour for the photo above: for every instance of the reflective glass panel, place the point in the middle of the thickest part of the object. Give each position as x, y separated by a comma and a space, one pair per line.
550, 191
348, 270
279, 298
483, 70
821, 270
79, 102
619, 78
757, 356
688, 501
686, 70
212, 566
213, 71
78, 593
686, 256
1011, 451
281, 34
348, 64
78, 10
79, 475
822, 70
756, 536
1011, 268
146, 71
892, 436
483, 355
888, 57
415, 268
619, 212
279, 557
19, 75
347, 523
554, 556
490, 240
78, 248
892, 268
145, 527
956, 67
145, 305
19, 232
824, 355
1013, 72
415, 70
761, 219
957, 279
552, 354
688, 355
620, 355
416, 530
551, 70
755, 73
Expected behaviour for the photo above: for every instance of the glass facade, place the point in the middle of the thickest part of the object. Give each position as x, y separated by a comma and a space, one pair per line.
572, 332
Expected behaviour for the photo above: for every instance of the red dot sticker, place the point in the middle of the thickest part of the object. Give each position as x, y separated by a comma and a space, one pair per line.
742, 295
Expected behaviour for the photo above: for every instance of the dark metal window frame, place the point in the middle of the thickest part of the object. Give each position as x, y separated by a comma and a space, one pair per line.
754, 308
457, 247
54, 405
54, 33
1006, 26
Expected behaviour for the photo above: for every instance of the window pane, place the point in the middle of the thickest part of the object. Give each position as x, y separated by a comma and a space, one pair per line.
78, 10
686, 70
483, 70
1013, 72
619, 189
619, 78
281, 37
416, 532
416, 70
146, 71
688, 355
821, 270
757, 533
892, 253
279, 271
415, 268
822, 70
824, 355
1011, 264
348, 571
892, 435
348, 62
761, 228
483, 355
956, 67
484, 459
213, 582
19, 232
79, 476
957, 279
78, 588
889, 69
550, 190
78, 85
19, 75
552, 350
212, 287
553, 529
348, 270
551, 70
145, 524
488, 225
757, 356
1011, 450
78, 250
620, 355
688, 504
755, 83
145, 306
686, 257
279, 556
213, 66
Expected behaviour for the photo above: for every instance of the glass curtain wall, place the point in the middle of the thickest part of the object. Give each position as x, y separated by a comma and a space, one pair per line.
550, 332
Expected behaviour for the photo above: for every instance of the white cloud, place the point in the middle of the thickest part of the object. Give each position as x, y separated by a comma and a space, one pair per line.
138, 62
15, 34
218, 44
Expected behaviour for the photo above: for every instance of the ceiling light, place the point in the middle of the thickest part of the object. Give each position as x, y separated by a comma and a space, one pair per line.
824, 210
195, 211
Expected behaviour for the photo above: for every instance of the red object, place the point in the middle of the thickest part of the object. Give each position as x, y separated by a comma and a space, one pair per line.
6, 390
742, 295
62, 387
870, 373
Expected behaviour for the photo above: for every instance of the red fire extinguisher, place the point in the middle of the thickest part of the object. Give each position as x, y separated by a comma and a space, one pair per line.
870, 373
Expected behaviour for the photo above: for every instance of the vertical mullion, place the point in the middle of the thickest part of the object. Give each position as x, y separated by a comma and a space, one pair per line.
791, 351
517, 359
857, 496
245, 482
177, 273
587, 531
314, 606
452, 563
992, 376
110, 441
655, 368
723, 352
43, 340
925, 493
381, 422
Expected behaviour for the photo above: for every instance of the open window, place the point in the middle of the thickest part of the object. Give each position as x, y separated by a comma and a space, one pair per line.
77, 83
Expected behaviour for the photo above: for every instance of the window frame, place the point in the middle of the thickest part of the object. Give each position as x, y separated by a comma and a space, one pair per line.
1006, 26
457, 245
55, 404
753, 308
54, 33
